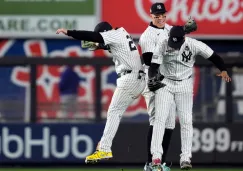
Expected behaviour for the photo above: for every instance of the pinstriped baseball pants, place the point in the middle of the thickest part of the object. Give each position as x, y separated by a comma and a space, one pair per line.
180, 93
129, 87
149, 97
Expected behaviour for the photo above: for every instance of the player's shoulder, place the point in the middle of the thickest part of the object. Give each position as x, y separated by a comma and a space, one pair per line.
167, 27
193, 41
122, 31
116, 30
147, 35
149, 31
194, 44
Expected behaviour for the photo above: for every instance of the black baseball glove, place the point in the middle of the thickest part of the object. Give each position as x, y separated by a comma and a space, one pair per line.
190, 26
154, 83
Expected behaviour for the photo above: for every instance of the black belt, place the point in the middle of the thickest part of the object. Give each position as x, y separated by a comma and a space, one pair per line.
179, 80
130, 71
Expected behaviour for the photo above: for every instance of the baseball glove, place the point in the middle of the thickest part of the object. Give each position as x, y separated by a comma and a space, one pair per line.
90, 45
154, 83
190, 26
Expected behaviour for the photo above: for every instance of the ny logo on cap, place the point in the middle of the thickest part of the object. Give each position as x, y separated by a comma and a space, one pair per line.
174, 39
158, 6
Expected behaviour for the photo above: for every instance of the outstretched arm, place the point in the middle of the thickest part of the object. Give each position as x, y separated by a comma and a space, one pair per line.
82, 35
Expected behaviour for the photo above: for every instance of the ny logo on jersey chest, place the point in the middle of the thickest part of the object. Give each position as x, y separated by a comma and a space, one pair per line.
186, 55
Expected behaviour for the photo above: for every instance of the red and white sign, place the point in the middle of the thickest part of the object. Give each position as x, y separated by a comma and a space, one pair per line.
221, 19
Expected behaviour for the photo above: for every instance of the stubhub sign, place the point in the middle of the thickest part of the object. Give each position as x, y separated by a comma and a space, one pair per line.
48, 142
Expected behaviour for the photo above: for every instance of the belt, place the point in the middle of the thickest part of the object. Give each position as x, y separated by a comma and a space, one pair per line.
179, 80
130, 71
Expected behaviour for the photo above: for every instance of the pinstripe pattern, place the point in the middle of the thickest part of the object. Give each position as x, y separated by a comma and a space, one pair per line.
124, 51
150, 37
148, 42
129, 87
176, 65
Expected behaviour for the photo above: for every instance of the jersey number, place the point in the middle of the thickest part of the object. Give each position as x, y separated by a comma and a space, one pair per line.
186, 57
132, 45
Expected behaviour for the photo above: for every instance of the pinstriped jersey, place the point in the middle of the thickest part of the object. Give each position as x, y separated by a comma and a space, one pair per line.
178, 64
150, 36
124, 51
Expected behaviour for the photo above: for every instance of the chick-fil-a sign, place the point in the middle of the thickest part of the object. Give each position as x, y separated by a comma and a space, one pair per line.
215, 18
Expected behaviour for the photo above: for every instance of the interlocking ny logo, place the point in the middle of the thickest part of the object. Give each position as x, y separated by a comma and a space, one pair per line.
186, 57
158, 6
174, 39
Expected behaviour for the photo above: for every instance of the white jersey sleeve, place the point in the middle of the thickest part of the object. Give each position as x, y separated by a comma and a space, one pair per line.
158, 52
147, 42
202, 49
110, 37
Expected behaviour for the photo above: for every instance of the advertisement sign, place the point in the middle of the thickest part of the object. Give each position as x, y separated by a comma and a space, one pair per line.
212, 143
42, 18
71, 143
48, 143
213, 17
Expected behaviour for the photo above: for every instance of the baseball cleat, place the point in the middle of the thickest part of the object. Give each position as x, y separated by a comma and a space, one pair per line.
165, 168
147, 167
185, 165
97, 156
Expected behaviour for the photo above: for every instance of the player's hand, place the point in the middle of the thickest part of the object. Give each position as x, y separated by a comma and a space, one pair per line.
190, 25
224, 76
61, 30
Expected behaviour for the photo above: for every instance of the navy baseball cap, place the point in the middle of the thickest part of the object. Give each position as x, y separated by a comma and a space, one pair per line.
176, 37
103, 26
158, 8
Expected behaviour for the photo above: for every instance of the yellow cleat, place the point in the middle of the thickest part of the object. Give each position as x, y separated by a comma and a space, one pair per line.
98, 155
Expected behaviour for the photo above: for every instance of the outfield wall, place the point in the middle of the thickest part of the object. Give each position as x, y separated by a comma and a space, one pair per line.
71, 143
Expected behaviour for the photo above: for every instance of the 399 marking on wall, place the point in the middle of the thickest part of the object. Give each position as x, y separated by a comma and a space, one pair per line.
208, 140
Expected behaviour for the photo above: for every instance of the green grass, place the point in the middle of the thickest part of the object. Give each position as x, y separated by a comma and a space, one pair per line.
103, 169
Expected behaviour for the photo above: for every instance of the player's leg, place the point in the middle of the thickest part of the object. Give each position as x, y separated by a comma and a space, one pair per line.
123, 96
149, 97
119, 103
169, 127
163, 101
184, 102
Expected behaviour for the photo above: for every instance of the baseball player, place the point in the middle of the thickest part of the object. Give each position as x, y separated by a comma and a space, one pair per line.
175, 57
130, 82
148, 40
